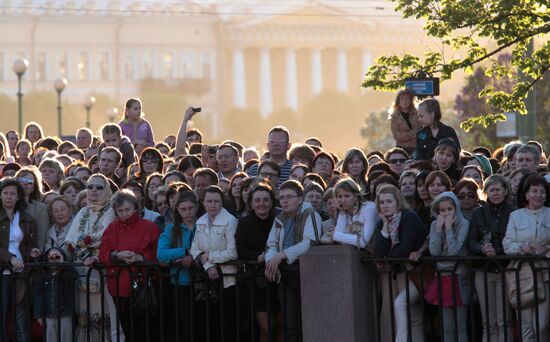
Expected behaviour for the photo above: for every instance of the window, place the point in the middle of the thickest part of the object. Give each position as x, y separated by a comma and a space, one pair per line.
129, 66
41, 67
148, 65
103, 66
83, 66
188, 64
168, 65
63, 64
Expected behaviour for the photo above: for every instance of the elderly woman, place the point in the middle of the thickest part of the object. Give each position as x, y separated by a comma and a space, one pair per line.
51, 287
127, 240
31, 181
82, 244
448, 237
17, 247
400, 233
213, 246
487, 230
528, 233
356, 219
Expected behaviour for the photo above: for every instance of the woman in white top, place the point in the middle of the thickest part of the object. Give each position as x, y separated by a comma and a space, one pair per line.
213, 246
528, 233
357, 218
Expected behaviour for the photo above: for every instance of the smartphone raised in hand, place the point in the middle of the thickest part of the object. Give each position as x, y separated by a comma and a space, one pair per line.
197, 109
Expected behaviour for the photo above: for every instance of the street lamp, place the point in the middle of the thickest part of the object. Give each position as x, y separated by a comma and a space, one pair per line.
59, 86
19, 67
112, 113
88, 104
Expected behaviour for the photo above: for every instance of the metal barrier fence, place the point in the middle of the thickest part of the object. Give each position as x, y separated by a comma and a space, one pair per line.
462, 299
439, 299
72, 302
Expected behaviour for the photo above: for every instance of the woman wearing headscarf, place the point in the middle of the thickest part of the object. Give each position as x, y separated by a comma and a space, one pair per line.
82, 244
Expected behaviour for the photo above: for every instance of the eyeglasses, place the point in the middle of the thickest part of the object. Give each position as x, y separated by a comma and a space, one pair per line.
397, 160
286, 198
25, 181
95, 187
150, 160
469, 195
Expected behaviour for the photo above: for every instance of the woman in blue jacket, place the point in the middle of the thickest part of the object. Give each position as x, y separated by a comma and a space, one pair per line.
173, 248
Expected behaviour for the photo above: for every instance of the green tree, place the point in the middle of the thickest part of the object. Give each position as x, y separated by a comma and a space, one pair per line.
480, 30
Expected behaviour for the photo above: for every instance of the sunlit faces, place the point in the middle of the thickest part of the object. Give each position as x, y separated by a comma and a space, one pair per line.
355, 167
496, 193
388, 204
268, 172
446, 208
188, 173
278, 144
150, 162
172, 179
298, 174
134, 112
23, 150
444, 158
60, 213
112, 139
408, 186
332, 206
83, 175
290, 201
346, 200
315, 198
535, 196
83, 139
125, 210
94, 189
526, 160
223, 183
107, 163
12, 139
187, 211
50, 197
468, 198
154, 184
475, 175
425, 118
236, 187
227, 159
33, 134
405, 102
436, 188
193, 138
323, 166
201, 183
27, 182
9, 197
262, 204
397, 161
212, 203
71, 194
50, 176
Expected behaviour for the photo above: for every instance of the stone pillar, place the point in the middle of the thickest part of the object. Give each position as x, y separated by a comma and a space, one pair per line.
266, 91
291, 89
337, 294
342, 70
239, 82
366, 61
316, 72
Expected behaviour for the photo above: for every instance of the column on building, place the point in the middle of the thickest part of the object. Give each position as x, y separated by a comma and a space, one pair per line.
291, 89
316, 72
266, 90
239, 83
366, 61
342, 71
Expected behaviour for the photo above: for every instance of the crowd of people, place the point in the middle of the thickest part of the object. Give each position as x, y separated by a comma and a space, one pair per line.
124, 197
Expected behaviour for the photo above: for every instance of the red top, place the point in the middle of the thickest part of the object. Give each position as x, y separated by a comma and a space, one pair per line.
135, 234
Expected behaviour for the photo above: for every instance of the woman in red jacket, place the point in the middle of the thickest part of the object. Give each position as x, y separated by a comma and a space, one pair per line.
127, 240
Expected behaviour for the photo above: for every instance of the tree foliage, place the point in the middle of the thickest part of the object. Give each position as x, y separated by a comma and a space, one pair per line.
480, 30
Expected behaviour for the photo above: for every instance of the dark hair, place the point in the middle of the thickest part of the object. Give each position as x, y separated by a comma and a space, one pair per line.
147, 203
395, 150
21, 204
153, 152
173, 173
383, 179
281, 129
122, 196
302, 151
469, 184
442, 177
529, 181
177, 232
262, 186
111, 128
194, 131
403, 92
206, 172
74, 182
325, 155
315, 178
189, 161
350, 154
129, 104
482, 150
76, 151
229, 196
473, 167
271, 164
214, 189
111, 149
292, 185
195, 148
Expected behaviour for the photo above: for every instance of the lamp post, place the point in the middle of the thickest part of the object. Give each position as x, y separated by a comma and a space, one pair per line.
19, 67
59, 86
88, 104
112, 113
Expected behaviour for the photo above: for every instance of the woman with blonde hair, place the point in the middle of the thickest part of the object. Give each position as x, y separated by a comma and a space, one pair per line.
404, 120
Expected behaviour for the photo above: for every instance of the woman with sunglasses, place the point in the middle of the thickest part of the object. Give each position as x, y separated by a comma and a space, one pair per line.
467, 192
150, 161
82, 244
